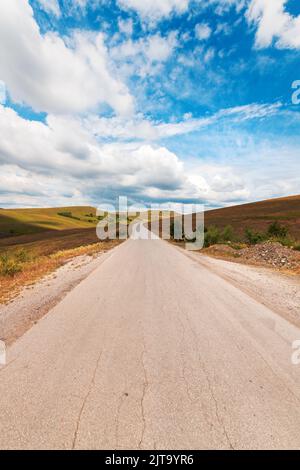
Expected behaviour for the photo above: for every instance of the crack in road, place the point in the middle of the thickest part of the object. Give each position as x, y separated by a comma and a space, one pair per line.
210, 386
92, 383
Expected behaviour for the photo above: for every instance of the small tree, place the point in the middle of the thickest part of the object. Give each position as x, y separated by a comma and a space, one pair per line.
277, 231
253, 237
227, 234
212, 236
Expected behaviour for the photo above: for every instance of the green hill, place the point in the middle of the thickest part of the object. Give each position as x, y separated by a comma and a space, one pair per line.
15, 222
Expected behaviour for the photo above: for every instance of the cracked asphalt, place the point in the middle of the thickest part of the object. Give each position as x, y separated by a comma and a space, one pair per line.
153, 351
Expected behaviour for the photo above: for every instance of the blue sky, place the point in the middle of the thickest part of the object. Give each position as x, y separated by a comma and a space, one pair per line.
159, 100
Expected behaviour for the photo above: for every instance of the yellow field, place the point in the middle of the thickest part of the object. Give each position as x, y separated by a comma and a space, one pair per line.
27, 221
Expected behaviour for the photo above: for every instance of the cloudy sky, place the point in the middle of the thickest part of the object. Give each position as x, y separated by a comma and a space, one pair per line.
157, 100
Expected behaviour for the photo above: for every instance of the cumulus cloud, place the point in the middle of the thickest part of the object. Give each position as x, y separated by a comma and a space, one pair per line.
274, 23
62, 148
52, 74
64, 160
154, 10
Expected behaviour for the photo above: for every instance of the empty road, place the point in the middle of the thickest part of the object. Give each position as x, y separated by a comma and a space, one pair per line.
152, 351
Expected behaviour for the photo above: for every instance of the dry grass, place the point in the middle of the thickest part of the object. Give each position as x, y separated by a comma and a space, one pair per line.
37, 266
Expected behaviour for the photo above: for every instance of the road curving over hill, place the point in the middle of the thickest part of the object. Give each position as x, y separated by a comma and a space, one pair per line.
154, 351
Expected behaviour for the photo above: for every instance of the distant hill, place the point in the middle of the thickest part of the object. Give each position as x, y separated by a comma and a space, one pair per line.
256, 215
14, 222
259, 215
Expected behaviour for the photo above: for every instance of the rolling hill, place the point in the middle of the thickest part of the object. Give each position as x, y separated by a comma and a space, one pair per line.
259, 215
29, 221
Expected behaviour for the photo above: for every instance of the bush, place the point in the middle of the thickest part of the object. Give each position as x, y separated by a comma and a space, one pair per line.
254, 237
297, 247
9, 266
285, 241
68, 214
227, 234
276, 230
212, 236
182, 235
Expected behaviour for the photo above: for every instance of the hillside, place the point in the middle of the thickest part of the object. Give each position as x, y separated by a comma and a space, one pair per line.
15, 222
259, 215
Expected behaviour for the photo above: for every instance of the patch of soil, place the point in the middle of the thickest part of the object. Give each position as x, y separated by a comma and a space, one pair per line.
265, 254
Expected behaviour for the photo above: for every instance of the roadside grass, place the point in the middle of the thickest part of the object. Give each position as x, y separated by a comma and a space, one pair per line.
20, 268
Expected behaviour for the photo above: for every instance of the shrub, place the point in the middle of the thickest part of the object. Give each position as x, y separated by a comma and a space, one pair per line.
68, 214
184, 236
276, 230
227, 234
285, 241
254, 237
9, 266
297, 247
212, 236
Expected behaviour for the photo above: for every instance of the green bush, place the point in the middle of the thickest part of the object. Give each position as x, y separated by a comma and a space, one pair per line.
285, 241
277, 231
297, 247
212, 236
227, 234
183, 236
254, 237
68, 214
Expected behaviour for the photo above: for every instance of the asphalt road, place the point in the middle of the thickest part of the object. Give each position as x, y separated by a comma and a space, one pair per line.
152, 351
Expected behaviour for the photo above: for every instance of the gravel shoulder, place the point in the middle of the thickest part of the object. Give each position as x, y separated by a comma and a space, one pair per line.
34, 301
279, 291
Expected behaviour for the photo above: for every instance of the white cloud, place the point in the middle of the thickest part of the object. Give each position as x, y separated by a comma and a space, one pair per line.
223, 6
209, 54
142, 129
50, 6
274, 23
62, 162
144, 56
63, 146
203, 31
52, 74
154, 10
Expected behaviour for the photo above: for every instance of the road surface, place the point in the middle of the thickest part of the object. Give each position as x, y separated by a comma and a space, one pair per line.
152, 351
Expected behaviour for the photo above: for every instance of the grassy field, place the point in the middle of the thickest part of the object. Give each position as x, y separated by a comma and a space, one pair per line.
15, 222
34, 242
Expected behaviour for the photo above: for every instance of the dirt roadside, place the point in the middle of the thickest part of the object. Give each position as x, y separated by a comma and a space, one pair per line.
35, 300
277, 290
